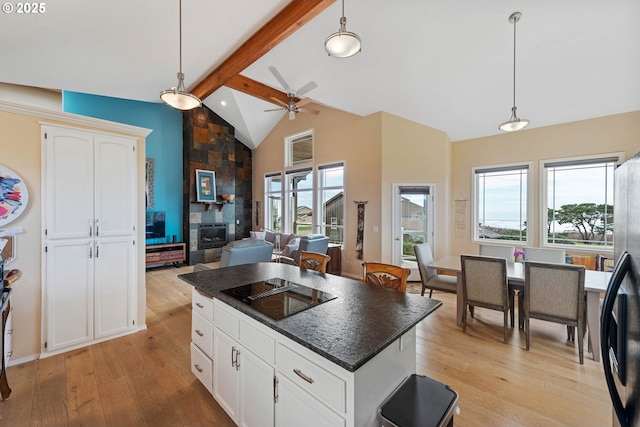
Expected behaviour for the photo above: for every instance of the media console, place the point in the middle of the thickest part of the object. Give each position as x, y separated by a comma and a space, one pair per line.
167, 253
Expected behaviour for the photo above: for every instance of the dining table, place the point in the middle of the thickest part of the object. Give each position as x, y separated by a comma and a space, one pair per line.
595, 283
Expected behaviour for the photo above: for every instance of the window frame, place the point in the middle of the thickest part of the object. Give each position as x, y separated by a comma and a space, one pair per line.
475, 220
267, 203
543, 203
288, 149
288, 219
319, 225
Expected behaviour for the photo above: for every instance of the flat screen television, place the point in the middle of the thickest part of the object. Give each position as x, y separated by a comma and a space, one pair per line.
155, 225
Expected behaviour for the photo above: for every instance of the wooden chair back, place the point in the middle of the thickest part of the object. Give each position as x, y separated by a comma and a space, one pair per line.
386, 275
314, 261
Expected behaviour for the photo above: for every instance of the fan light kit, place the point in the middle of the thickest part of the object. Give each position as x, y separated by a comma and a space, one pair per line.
178, 97
343, 43
514, 122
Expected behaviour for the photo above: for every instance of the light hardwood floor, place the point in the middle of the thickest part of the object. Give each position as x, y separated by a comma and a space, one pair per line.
144, 379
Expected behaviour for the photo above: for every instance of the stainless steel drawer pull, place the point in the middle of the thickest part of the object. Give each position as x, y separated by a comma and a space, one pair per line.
198, 367
299, 373
199, 305
199, 333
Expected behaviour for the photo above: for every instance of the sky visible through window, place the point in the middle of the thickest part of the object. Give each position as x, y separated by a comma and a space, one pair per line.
569, 185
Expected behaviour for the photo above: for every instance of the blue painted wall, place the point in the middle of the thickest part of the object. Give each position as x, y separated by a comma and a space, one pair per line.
164, 144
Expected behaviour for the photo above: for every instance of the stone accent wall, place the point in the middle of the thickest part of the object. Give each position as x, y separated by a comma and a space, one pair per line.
209, 143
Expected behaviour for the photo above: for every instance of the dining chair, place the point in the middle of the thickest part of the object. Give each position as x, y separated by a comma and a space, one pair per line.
314, 261
545, 255
484, 284
555, 293
429, 277
385, 275
506, 252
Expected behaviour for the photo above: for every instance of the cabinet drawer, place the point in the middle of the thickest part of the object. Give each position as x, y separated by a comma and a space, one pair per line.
202, 367
202, 305
202, 334
226, 320
311, 377
258, 342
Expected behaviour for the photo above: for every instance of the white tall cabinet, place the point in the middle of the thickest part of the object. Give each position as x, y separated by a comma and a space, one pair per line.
89, 217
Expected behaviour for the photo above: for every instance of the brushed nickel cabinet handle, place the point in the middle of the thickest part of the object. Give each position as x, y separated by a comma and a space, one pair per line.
237, 361
199, 333
233, 360
199, 305
299, 373
198, 367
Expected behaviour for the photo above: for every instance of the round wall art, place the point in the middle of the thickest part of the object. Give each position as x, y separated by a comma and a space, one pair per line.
14, 195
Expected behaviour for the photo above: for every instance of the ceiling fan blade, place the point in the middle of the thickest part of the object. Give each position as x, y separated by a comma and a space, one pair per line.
280, 79
277, 101
303, 102
306, 88
308, 110
274, 109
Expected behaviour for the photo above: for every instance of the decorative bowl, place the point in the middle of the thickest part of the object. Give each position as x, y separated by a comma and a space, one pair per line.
228, 197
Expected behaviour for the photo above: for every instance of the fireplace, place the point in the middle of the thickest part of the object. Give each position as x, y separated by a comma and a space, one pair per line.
212, 235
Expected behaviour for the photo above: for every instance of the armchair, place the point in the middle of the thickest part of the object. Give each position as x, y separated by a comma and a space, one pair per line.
318, 243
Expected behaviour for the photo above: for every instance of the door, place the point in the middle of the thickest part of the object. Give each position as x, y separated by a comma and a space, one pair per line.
68, 183
114, 278
413, 207
225, 374
69, 292
256, 391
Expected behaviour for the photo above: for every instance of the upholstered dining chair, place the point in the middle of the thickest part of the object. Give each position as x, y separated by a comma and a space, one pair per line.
545, 255
385, 275
555, 293
314, 261
484, 284
429, 277
506, 252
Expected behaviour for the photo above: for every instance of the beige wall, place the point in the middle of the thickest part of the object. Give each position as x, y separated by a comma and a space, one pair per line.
20, 145
378, 150
617, 133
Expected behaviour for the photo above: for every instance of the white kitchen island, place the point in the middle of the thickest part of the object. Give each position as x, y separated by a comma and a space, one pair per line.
330, 365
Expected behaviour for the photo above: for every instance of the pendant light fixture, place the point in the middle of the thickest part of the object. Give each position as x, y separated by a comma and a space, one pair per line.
343, 43
178, 97
514, 122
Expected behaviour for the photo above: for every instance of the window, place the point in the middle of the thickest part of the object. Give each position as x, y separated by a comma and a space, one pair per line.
577, 202
299, 149
331, 199
299, 202
500, 197
273, 202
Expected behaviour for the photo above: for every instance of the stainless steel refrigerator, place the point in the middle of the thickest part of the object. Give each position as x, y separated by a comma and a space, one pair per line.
620, 318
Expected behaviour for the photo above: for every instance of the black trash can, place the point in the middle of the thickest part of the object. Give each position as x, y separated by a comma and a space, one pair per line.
419, 401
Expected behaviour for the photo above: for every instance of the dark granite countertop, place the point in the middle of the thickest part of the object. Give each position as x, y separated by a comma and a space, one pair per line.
348, 330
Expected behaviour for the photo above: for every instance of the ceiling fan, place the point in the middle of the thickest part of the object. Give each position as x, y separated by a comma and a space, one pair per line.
292, 106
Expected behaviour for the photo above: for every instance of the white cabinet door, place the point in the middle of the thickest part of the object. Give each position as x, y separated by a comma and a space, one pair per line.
256, 391
115, 185
69, 292
225, 373
295, 407
68, 183
114, 277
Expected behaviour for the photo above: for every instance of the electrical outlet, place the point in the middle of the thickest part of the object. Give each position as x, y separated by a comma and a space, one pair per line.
375, 229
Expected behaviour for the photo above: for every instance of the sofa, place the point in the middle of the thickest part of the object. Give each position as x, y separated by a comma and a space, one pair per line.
313, 243
238, 252
286, 243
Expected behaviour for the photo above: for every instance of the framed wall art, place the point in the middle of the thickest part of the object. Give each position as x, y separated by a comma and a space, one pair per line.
205, 186
14, 195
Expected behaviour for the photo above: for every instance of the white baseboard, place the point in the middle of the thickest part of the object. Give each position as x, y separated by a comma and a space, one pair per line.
44, 355
30, 358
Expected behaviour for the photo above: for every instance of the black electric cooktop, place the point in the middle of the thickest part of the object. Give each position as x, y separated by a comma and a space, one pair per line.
279, 298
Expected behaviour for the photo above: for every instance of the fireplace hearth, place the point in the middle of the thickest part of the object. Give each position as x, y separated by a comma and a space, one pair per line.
212, 235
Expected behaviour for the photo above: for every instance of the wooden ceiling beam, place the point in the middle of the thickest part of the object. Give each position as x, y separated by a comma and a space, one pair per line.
251, 87
293, 16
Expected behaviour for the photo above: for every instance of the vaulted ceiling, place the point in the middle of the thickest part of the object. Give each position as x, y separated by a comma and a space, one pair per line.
445, 64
